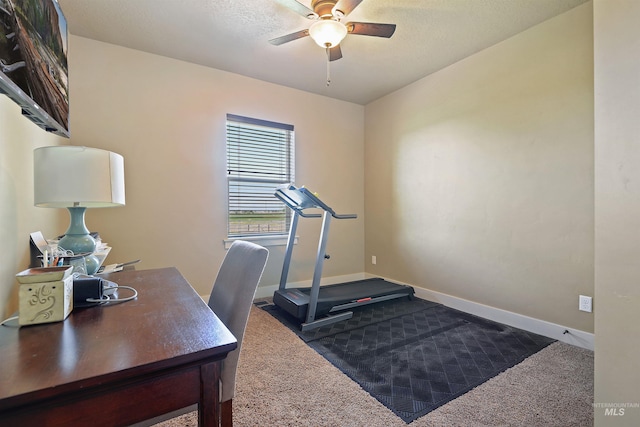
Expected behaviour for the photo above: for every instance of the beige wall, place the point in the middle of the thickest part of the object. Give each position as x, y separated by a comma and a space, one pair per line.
479, 178
167, 118
617, 207
18, 217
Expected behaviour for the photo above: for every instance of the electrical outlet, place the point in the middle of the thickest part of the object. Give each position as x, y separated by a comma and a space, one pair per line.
373, 259
585, 303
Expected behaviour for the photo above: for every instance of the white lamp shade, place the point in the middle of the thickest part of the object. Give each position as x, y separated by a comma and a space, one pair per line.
68, 176
327, 32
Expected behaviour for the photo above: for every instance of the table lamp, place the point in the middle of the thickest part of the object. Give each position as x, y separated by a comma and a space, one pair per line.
77, 178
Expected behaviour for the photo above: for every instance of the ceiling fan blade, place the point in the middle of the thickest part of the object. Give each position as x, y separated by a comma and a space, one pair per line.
297, 7
346, 6
371, 29
335, 53
289, 37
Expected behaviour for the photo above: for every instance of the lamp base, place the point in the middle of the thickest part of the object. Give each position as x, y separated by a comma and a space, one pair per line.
93, 264
78, 239
78, 243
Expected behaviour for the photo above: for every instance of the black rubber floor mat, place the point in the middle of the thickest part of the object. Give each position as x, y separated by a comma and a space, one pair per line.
362, 316
414, 356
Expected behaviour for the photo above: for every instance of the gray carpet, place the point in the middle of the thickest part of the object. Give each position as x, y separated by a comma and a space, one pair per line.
283, 382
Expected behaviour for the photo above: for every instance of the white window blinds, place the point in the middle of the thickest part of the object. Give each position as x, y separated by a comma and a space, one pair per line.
260, 156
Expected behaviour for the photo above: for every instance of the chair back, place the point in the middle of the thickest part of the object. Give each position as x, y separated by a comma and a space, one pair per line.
231, 298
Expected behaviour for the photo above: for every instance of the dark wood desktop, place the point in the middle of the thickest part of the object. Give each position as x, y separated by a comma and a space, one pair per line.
117, 364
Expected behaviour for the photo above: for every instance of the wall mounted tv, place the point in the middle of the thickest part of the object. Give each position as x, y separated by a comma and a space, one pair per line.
33, 61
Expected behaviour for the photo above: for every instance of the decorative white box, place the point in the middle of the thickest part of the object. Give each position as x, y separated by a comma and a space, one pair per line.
45, 302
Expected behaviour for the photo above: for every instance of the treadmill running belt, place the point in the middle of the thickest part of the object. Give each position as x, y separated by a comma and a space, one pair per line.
295, 301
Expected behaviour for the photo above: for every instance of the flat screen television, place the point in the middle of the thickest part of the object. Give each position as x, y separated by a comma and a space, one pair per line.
33, 61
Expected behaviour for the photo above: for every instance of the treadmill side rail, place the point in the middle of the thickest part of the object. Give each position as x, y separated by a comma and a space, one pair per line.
366, 301
346, 315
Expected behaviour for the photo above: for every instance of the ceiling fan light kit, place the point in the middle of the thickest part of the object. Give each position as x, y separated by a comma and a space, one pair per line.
327, 33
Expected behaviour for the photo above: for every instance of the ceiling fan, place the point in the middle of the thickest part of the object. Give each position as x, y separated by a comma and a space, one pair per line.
328, 30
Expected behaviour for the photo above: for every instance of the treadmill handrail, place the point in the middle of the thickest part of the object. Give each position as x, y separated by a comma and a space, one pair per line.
308, 215
345, 216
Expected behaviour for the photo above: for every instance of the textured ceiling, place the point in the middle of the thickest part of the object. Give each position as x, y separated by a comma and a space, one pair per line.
232, 35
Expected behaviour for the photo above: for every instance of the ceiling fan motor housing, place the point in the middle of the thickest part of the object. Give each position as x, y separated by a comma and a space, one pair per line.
324, 8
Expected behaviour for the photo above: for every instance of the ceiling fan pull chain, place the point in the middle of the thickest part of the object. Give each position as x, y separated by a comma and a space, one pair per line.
328, 66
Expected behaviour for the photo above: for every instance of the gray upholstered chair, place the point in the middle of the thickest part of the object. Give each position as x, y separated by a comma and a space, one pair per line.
231, 298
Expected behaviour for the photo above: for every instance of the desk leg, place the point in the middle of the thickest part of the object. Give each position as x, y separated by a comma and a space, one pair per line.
209, 407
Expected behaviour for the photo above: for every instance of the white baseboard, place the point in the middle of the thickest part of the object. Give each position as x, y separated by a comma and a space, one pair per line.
552, 330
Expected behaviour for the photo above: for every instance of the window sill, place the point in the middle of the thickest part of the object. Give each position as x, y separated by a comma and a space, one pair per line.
280, 240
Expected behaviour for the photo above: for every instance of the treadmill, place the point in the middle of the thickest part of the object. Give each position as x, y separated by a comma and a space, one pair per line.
319, 306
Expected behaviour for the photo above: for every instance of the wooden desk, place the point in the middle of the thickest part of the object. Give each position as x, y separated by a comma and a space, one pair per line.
117, 364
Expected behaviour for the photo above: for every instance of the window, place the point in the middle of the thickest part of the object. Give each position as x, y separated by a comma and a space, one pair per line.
260, 157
